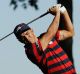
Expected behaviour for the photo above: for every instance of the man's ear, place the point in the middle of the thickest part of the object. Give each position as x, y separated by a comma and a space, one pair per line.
22, 34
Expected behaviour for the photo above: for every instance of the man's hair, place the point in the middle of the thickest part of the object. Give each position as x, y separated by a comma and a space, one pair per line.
19, 29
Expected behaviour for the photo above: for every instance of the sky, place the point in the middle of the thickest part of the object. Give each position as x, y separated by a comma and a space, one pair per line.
12, 56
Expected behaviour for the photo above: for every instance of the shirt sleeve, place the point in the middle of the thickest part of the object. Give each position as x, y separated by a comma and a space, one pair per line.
57, 35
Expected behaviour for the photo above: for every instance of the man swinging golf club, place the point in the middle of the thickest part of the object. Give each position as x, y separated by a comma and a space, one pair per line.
44, 51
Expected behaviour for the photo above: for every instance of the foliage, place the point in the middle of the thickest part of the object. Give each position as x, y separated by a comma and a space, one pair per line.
32, 3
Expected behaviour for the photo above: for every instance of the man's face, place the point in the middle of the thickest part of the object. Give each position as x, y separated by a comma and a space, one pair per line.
29, 35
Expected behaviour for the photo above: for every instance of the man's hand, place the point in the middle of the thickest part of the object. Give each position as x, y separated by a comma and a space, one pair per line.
53, 10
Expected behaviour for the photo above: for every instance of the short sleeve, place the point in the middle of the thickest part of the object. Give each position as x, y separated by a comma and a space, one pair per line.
57, 35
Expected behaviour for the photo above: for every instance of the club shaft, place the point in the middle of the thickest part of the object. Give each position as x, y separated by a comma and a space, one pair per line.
37, 18
6, 36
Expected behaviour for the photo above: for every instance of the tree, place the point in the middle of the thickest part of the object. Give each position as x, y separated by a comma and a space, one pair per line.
67, 44
32, 3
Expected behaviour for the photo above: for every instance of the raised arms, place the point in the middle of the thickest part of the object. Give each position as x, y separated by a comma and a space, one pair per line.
53, 28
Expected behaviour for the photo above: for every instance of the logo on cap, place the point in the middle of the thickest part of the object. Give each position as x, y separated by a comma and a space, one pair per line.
18, 28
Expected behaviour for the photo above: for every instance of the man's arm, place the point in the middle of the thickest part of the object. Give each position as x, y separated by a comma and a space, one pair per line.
51, 32
69, 31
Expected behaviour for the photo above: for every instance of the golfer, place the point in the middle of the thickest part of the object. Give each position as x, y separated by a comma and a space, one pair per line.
44, 51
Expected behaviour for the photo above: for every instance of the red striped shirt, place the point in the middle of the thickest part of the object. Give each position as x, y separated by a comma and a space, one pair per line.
53, 60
